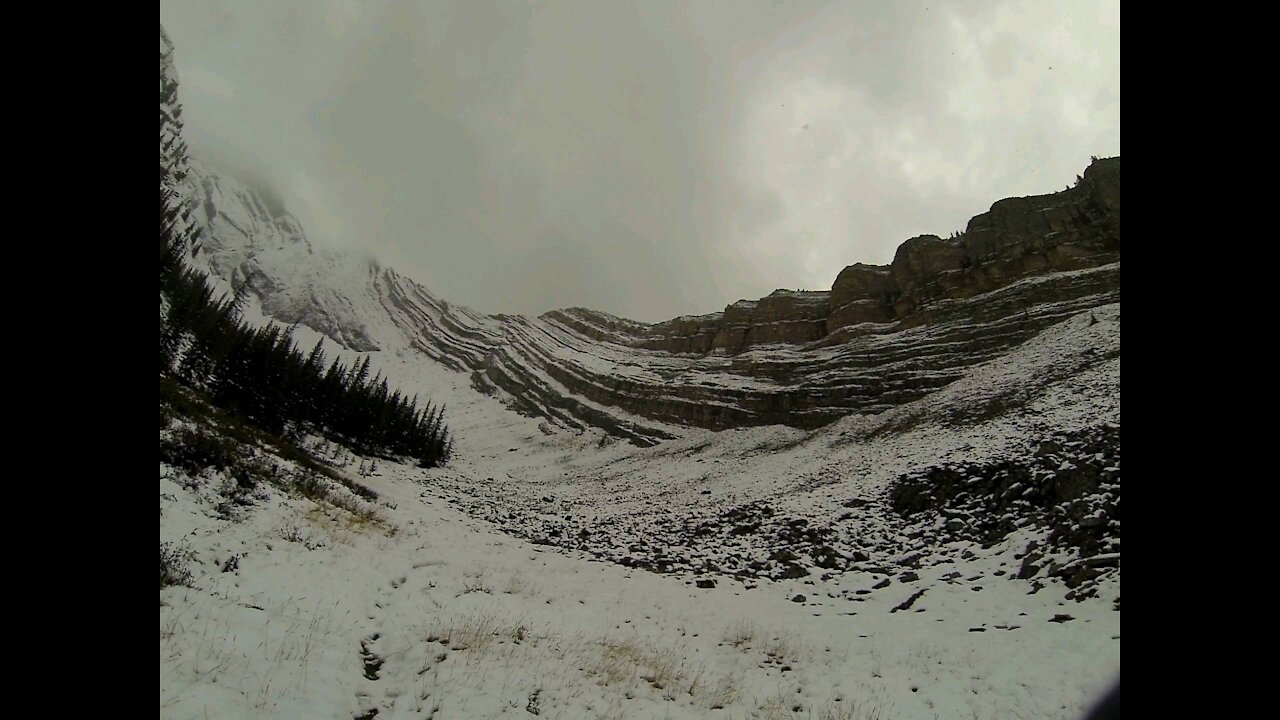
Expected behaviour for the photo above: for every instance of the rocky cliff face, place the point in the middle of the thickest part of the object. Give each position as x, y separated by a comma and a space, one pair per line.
882, 336
1018, 238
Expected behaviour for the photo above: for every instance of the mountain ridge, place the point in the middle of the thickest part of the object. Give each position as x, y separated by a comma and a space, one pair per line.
880, 337
1018, 236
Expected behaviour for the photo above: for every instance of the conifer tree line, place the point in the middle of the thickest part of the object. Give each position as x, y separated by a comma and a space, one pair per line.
259, 372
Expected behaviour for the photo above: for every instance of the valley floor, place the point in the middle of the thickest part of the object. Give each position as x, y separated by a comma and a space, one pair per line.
448, 618
478, 590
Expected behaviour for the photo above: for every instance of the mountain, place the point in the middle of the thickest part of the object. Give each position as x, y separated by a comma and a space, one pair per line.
881, 337
899, 498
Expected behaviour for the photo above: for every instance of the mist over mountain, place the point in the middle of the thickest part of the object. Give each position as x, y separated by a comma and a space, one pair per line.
892, 494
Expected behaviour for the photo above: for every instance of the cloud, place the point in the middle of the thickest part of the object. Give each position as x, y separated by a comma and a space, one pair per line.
651, 159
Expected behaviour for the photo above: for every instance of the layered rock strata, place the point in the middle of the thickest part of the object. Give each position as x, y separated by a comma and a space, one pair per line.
880, 337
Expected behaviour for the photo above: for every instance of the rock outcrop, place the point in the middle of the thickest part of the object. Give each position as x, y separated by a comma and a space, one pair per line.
1017, 238
881, 337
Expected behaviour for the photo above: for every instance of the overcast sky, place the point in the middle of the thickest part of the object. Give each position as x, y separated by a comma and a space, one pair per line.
649, 158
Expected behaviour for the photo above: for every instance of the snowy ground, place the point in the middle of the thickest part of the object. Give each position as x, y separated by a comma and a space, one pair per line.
441, 609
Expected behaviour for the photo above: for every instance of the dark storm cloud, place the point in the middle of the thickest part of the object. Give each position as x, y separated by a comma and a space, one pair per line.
648, 159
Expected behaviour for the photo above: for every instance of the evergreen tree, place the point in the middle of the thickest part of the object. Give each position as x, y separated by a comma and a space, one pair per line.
259, 372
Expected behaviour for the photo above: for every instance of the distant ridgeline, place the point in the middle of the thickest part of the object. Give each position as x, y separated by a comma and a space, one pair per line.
258, 373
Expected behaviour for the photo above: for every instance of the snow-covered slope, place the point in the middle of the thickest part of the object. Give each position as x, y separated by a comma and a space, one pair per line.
824, 600
440, 615
478, 597
934, 534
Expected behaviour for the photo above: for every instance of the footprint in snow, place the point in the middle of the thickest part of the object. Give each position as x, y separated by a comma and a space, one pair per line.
372, 663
